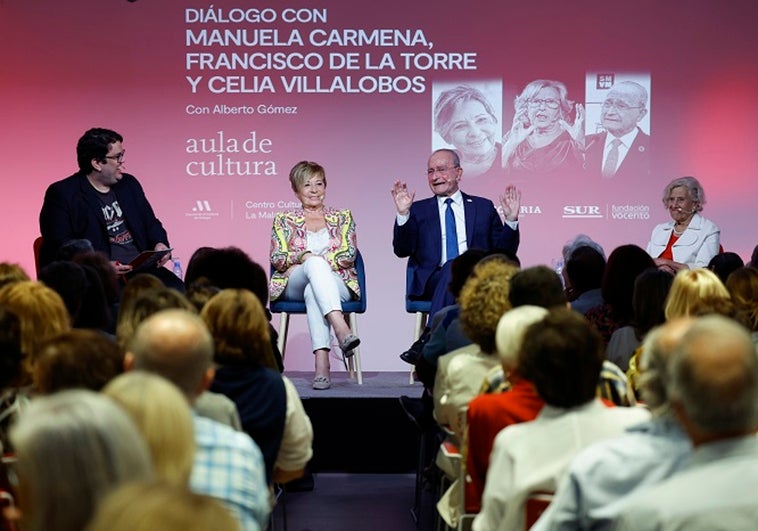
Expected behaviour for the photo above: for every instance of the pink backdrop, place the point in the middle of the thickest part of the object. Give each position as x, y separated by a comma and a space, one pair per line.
68, 66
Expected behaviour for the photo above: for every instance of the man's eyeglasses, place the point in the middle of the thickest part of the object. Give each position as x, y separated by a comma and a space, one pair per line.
619, 105
432, 171
550, 103
118, 158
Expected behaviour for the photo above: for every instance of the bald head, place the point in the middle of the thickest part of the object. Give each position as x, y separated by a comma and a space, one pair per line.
176, 345
714, 380
657, 351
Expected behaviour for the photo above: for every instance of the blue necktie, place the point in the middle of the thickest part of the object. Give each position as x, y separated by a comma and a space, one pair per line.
451, 235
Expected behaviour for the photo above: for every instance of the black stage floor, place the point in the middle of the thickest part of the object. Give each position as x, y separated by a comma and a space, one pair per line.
360, 428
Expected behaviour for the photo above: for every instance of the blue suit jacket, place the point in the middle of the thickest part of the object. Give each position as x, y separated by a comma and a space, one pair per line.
635, 165
420, 238
71, 210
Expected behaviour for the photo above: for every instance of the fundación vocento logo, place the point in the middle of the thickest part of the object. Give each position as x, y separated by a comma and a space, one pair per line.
202, 210
582, 212
630, 212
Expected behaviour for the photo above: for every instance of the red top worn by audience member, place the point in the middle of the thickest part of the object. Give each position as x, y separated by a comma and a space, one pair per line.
487, 415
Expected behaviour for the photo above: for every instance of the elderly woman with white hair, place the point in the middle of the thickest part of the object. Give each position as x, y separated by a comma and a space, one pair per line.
689, 240
541, 140
72, 449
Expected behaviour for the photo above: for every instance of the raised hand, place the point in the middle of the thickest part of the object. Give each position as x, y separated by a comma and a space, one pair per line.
576, 130
403, 198
510, 201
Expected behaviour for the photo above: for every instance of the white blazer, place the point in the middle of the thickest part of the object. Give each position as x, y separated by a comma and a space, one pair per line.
695, 247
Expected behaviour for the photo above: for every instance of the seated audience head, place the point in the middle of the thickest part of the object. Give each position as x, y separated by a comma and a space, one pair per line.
580, 240
101, 264
754, 258
537, 286
511, 328
742, 285
10, 349
624, 264
10, 273
651, 288
484, 299
714, 380
150, 506
724, 263
137, 285
200, 292
562, 355
71, 248
72, 449
229, 267
81, 289
697, 292
142, 306
41, 312
161, 413
237, 321
655, 359
461, 268
77, 359
584, 269
174, 344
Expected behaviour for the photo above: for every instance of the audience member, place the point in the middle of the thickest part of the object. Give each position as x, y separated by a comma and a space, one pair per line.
537, 286
269, 406
489, 413
624, 264
72, 449
13, 401
77, 359
98, 262
151, 506
460, 373
713, 390
583, 275
742, 285
82, 293
10, 273
228, 465
651, 288
696, 292
200, 291
754, 258
144, 304
161, 413
605, 476
562, 356
231, 267
41, 313
724, 263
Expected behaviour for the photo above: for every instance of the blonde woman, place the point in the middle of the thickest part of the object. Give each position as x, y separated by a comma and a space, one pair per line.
161, 412
697, 292
313, 252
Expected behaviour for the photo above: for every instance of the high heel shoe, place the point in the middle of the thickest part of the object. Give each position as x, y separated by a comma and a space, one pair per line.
348, 344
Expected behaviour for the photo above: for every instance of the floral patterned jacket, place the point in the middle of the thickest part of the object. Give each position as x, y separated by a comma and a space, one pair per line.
288, 241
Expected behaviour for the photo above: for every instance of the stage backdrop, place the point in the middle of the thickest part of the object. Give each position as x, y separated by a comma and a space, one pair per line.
217, 101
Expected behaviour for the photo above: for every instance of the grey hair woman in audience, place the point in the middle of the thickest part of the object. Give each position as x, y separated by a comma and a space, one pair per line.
72, 448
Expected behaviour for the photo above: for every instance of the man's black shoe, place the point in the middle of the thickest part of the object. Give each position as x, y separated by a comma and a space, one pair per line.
413, 354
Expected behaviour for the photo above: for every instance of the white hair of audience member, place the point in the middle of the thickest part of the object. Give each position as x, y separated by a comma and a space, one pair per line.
728, 402
509, 334
654, 372
72, 449
580, 240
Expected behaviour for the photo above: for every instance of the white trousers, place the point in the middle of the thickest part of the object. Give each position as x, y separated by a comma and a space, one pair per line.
323, 290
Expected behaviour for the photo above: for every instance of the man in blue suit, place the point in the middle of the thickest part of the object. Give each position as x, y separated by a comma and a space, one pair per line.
421, 227
620, 153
